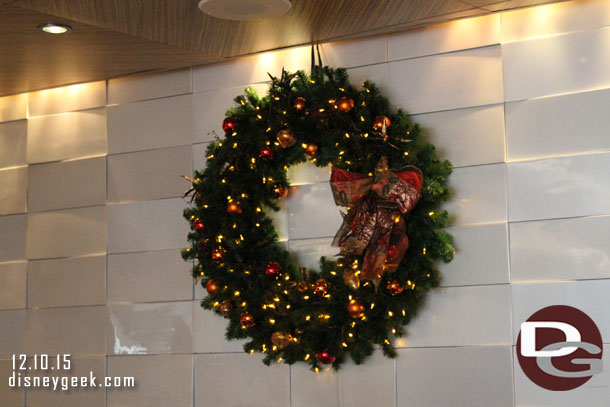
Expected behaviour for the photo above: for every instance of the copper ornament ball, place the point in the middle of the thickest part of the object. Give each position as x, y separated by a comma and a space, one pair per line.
286, 138
281, 339
246, 319
217, 253
280, 192
355, 309
224, 308
320, 287
299, 103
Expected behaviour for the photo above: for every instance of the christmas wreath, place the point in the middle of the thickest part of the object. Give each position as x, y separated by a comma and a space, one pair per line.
388, 179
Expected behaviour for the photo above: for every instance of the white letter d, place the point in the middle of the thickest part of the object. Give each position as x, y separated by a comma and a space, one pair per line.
528, 338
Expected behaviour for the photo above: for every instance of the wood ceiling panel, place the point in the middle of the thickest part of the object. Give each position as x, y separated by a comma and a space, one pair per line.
32, 60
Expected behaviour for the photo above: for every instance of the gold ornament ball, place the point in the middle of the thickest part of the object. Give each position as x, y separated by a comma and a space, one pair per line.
211, 287
246, 319
320, 287
299, 103
350, 278
234, 208
355, 309
281, 339
345, 104
379, 121
394, 287
224, 308
311, 150
286, 138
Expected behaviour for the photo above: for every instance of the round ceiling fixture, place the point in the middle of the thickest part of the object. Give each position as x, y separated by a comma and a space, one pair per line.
244, 9
52, 28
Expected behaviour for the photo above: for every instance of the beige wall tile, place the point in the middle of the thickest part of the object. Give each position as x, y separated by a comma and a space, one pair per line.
13, 190
13, 278
12, 143
149, 86
13, 237
67, 99
13, 107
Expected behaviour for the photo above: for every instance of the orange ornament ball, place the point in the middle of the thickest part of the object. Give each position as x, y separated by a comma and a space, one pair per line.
280, 191
281, 339
320, 287
211, 287
345, 104
302, 286
217, 253
311, 150
380, 121
355, 309
299, 103
234, 208
286, 138
394, 287
224, 308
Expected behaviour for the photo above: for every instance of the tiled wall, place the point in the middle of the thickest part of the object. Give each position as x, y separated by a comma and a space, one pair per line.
91, 225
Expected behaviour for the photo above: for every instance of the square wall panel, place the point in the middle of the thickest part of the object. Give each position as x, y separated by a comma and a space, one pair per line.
481, 256
307, 173
149, 86
149, 225
10, 396
447, 81
200, 158
559, 187
351, 53
312, 212
12, 326
13, 282
13, 190
588, 296
307, 252
439, 38
13, 237
553, 19
462, 316
478, 195
150, 328
310, 389
238, 72
560, 249
146, 175
161, 381
78, 331
217, 376
67, 135
371, 384
67, 99
67, 282
13, 107
77, 396
559, 64
67, 184
71, 232
562, 125
151, 124
473, 377
149, 276
12, 143
378, 74
465, 137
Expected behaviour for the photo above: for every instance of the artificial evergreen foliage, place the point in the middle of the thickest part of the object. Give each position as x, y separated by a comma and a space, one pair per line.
243, 244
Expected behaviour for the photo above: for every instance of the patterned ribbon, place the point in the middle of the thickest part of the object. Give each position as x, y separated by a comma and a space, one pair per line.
373, 224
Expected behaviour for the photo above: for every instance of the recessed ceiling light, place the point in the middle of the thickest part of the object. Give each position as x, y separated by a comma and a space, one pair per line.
244, 9
52, 28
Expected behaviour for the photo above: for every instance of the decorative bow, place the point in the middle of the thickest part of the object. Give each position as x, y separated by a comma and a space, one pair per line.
373, 224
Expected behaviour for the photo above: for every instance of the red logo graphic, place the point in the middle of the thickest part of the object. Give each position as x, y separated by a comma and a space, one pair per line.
560, 348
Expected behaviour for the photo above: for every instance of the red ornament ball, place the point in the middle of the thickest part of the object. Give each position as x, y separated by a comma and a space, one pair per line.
228, 124
266, 153
198, 225
299, 103
325, 357
273, 268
